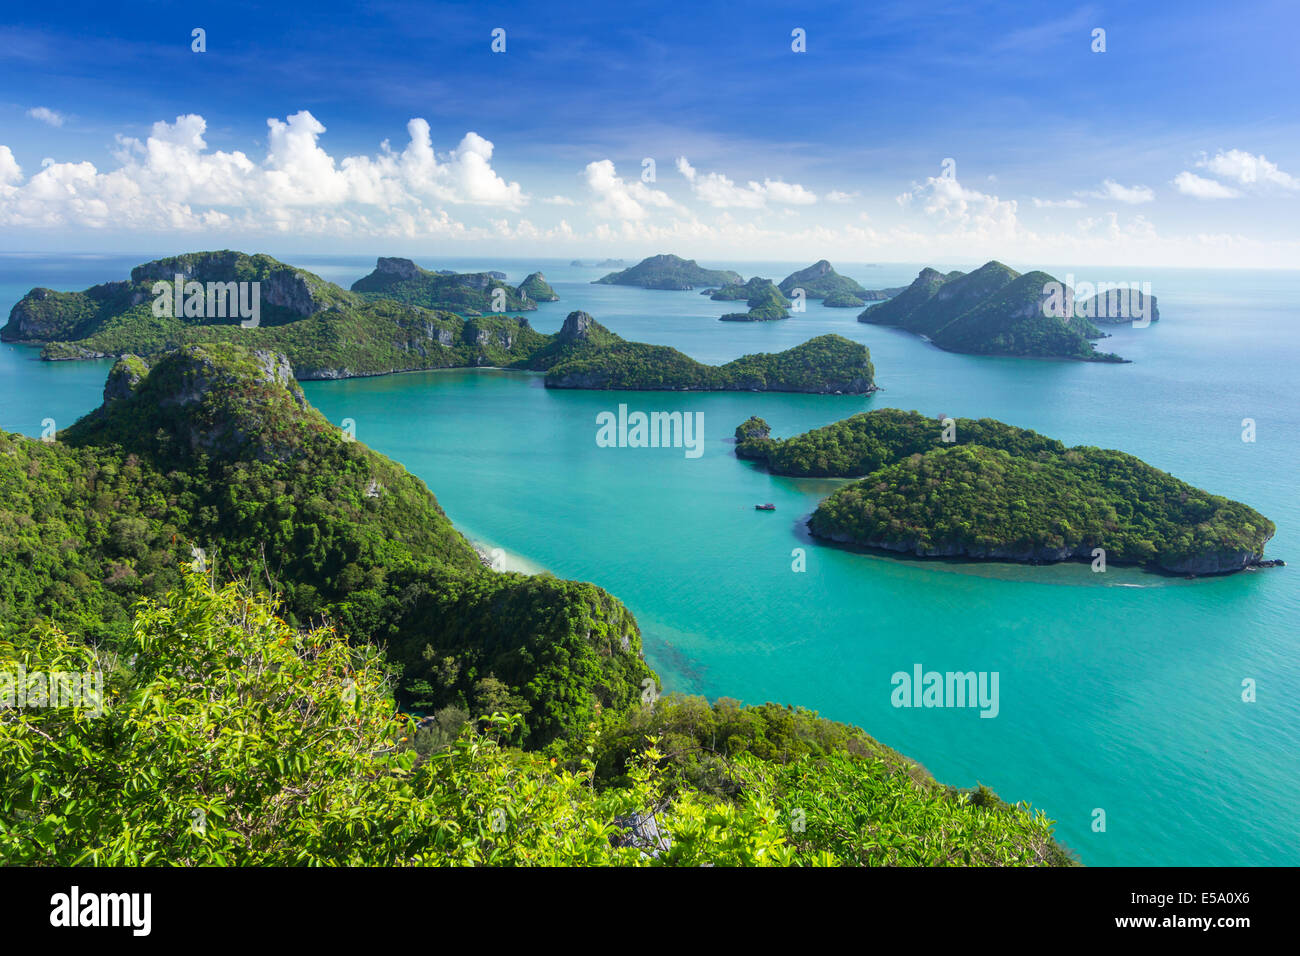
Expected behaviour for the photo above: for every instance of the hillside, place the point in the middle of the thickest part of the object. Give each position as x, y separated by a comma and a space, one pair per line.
670, 273
215, 447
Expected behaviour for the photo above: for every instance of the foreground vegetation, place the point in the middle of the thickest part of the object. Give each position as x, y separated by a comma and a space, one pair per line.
230, 738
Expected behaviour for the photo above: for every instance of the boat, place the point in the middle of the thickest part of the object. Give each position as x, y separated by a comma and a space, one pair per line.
767, 507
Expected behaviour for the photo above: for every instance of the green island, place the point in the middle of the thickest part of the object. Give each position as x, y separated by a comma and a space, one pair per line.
994, 491
587, 355
330, 333
763, 300
536, 288
671, 273
298, 647
991, 311
821, 281
401, 280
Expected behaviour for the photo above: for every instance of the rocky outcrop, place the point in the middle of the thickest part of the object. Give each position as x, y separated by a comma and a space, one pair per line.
127, 373
401, 268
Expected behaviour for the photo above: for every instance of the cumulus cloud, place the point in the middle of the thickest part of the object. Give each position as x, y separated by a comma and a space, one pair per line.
171, 180
46, 115
614, 198
10, 171
1190, 184
1247, 169
722, 193
963, 211
1133, 195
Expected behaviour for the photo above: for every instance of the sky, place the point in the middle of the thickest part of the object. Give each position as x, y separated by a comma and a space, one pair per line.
866, 132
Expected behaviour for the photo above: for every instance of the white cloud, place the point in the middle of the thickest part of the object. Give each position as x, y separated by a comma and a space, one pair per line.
613, 198
46, 115
10, 171
722, 193
1057, 203
1190, 184
172, 180
839, 197
1133, 195
1248, 169
558, 201
964, 212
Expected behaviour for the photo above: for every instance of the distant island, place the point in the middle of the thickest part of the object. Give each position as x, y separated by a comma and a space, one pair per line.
991, 311
995, 491
536, 287
821, 281
670, 273
403, 281
605, 264
329, 333
586, 355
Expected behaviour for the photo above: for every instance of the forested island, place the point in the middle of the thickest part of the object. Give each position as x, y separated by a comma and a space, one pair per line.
991, 311
587, 355
983, 489
329, 333
670, 273
207, 465
536, 288
763, 300
821, 281
401, 280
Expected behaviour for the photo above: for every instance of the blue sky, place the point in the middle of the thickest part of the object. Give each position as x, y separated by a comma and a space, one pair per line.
1179, 145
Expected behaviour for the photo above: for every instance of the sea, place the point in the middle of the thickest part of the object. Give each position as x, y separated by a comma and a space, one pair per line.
1155, 719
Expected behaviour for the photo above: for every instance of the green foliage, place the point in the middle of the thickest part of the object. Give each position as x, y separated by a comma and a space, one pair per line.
840, 795
217, 449
229, 738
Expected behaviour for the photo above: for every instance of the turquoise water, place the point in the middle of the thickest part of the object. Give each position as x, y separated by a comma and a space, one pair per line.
1119, 691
